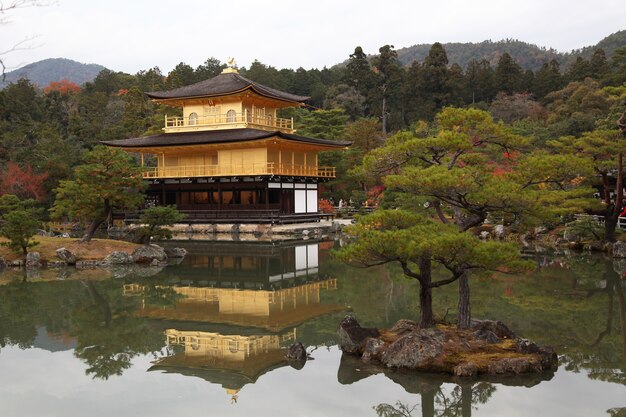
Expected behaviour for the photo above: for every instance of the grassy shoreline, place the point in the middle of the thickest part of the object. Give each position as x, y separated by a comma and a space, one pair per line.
96, 249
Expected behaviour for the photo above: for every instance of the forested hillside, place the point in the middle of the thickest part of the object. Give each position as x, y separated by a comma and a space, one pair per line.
527, 55
43, 72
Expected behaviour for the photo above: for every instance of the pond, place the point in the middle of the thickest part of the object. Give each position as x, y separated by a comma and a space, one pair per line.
205, 337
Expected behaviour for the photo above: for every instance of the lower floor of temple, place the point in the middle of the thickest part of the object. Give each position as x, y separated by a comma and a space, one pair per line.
240, 199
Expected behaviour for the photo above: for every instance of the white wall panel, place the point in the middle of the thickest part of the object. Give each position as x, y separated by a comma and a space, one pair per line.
312, 253
311, 201
300, 201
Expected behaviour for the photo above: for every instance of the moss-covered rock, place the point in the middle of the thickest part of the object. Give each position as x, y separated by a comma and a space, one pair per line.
488, 347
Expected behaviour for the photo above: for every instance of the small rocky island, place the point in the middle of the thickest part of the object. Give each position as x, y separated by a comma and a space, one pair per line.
488, 347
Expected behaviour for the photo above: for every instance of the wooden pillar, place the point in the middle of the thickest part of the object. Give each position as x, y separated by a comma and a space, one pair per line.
219, 196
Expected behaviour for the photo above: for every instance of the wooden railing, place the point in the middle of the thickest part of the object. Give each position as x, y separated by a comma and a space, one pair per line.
222, 121
270, 168
621, 221
228, 215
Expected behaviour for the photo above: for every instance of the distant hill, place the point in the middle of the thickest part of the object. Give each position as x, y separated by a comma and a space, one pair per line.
609, 44
527, 55
54, 69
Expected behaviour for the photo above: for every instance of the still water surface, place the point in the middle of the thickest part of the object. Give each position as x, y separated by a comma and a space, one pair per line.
205, 338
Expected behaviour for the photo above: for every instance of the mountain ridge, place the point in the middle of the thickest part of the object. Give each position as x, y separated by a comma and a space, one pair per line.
527, 55
45, 71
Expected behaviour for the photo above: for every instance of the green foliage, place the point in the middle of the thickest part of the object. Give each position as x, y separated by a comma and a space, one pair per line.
508, 75
109, 179
325, 124
19, 222
577, 107
401, 236
585, 228
154, 218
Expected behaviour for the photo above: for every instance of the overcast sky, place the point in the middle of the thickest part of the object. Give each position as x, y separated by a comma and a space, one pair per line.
132, 35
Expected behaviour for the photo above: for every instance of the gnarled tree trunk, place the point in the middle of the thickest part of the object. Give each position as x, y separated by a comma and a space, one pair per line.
464, 312
426, 293
93, 226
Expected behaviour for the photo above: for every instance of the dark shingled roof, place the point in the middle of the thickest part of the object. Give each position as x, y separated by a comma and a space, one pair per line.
224, 84
215, 136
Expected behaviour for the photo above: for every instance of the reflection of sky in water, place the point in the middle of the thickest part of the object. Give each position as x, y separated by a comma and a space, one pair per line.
64, 390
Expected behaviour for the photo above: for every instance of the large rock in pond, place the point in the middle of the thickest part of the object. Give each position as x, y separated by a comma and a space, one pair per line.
491, 331
523, 365
66, 256
416, 350
118, 258
33, 260
175, 252
147, 253
352, 336
619, 249
296, 355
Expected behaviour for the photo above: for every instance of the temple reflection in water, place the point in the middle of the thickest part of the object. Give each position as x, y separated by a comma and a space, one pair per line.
238, 307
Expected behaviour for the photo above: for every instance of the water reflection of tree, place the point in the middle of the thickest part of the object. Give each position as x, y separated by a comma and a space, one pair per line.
604, 356
435, 402
108, 336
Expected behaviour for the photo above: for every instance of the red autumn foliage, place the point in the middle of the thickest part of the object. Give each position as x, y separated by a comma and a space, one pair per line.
22, 182
374, 194
64, 86
122, 92
500, 171
510, 155
325, 206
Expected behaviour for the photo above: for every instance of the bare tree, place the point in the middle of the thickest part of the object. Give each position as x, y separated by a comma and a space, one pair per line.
5, 9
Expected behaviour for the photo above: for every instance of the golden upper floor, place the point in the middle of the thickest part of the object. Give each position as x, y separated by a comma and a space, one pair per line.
228, 101
229, 126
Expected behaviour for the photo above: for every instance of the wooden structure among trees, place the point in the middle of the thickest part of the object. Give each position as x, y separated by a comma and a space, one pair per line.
230, 156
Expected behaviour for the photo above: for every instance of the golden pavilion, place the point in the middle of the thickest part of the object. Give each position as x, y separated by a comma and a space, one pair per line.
230, 157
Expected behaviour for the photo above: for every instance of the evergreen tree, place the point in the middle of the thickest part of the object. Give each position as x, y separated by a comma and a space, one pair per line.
19, 222
181, 75
107, 180
212, 67
389, 79
599, 64
617, 76
430, 85
579, 70
150, 80
358, 73
479, 78
547, 79
508, 75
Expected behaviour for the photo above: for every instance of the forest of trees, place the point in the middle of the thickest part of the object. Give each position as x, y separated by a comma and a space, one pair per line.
45, 132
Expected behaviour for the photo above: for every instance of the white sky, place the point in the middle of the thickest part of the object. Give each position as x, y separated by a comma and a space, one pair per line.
132, 35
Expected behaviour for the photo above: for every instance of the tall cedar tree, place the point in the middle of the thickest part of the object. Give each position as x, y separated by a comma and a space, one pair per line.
508, 76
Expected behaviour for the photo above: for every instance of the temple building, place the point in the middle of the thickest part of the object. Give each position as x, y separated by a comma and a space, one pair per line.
230, 156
